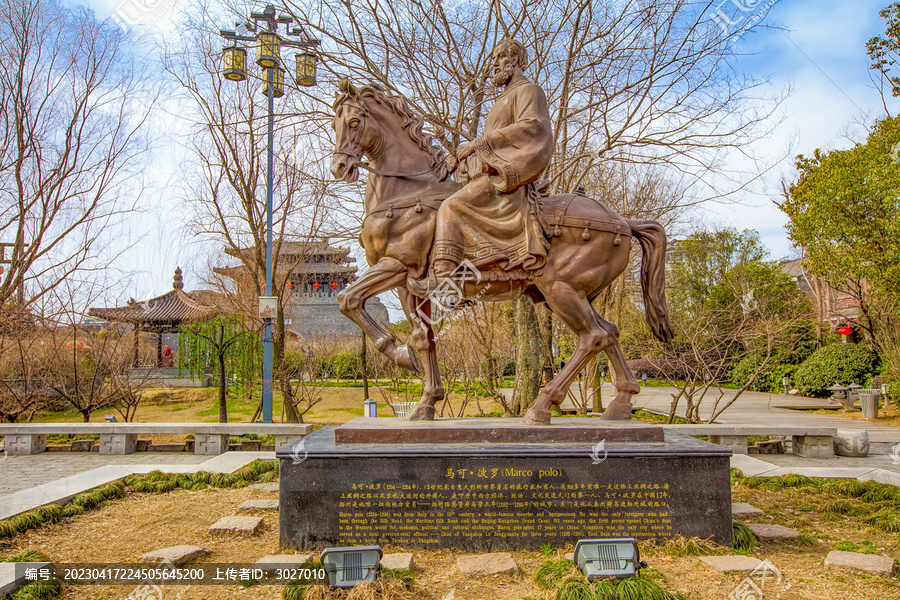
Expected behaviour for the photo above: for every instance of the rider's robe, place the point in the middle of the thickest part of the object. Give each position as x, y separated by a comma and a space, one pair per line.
491, 219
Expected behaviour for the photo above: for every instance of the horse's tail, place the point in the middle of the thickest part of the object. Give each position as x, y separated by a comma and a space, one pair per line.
652, 238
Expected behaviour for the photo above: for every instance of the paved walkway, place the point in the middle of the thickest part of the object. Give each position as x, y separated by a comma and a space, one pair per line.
756, 408
22, 472
30, 481
61, 490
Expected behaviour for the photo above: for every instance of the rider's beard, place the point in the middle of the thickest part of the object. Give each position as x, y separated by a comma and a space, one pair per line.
502, 76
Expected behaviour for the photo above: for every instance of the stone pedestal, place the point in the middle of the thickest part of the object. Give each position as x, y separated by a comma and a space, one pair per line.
737, 443
210, 443
501, 495
21, 444
813, 446
118, 443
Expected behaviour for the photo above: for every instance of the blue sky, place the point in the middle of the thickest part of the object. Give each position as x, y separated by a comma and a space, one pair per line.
820, 56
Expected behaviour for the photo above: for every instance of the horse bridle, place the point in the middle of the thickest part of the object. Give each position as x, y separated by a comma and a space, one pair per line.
357, 160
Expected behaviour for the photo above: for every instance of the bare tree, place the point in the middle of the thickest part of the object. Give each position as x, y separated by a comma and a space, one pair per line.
70, 124
229, 143
22, 389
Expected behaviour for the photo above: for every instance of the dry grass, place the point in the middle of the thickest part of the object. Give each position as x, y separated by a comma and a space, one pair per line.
122, 530
886, 416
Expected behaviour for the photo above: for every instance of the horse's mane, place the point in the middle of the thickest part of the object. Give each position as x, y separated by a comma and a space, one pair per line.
412, 123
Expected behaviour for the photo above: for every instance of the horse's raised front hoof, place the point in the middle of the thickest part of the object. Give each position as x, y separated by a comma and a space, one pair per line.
421, 412
406, 359
618, 410
536, 416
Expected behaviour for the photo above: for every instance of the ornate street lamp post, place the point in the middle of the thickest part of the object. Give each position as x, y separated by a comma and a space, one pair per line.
263, 32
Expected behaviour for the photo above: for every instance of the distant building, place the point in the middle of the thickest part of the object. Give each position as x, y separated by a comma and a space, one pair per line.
318, 272
833, 307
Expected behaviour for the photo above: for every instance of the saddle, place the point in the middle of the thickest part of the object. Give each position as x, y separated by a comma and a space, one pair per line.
574, 210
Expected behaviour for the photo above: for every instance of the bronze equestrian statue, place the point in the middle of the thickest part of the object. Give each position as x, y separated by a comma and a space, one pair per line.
493, 238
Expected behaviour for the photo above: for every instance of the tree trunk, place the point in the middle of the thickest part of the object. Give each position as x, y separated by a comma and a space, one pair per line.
86, 415
595, 375
223, 387
528, 357
363, 359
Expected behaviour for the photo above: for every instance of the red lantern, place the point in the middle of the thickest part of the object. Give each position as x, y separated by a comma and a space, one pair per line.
290, 285
845, 330
316, 285
334, 284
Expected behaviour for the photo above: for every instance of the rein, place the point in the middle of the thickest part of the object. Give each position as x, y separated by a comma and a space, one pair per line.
374, 171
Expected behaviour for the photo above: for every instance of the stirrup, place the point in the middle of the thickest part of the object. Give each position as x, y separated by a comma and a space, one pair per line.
423, 287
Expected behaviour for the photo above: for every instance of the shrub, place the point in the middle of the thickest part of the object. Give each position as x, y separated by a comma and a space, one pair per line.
767, 380
838, 363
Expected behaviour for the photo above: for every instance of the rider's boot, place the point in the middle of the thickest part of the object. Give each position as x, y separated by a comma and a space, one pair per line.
440, 271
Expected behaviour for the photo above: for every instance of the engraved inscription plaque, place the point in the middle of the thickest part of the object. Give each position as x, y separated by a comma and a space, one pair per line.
501, 496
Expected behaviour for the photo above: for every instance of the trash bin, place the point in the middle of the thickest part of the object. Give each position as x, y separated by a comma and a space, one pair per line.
868, 402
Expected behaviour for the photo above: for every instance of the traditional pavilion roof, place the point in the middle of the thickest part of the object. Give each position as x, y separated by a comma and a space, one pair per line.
305, 251
169, 310
298, 272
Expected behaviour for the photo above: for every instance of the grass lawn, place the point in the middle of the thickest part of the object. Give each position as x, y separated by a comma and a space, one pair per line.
830, 515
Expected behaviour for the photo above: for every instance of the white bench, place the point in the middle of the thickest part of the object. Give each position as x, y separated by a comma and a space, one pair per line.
121, 438
809, 442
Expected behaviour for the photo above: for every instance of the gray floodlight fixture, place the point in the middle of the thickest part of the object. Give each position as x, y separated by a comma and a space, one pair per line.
347, 567
609, 557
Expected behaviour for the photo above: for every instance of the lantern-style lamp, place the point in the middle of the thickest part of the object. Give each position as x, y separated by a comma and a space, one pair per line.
268, 49
278, 78
234, 60
306, 68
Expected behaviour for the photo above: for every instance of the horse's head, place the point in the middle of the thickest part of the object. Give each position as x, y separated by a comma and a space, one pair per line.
369, 121
354, 132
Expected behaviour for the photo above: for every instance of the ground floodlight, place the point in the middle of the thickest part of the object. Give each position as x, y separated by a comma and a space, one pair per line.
612, 557
347, 567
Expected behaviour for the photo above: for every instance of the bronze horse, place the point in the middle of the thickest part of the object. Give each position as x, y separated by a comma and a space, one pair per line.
409, 177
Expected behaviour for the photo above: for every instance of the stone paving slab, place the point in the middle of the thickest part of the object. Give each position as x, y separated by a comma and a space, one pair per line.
273, 562
242, 525
732, 564
177, 555
398, 562
487, 564
265, 487
768, 532
882, 566
260, 505
743, 509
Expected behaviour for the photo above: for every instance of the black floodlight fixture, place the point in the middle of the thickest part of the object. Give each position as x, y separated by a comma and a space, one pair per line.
347, 567
610, 557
